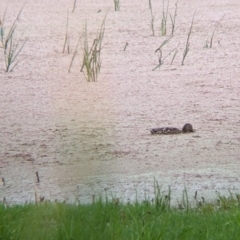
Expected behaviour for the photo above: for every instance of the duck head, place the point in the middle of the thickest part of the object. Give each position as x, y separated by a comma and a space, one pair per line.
187, 128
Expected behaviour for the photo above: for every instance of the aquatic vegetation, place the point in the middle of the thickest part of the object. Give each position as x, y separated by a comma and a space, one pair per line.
188, 43
173, 19
74, 5
92, 55
163, 28
116, 5
160, 56
12, 46
66, 44
209, 43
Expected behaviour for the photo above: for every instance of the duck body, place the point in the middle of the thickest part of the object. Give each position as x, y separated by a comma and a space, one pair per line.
171, 130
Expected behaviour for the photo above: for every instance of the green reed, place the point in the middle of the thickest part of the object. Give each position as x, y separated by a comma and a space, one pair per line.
173, 18
163, 28
187, 46
66, 45
74, 5
160, 52
12, 46
209, 44
92, 55
152, 18
116, 5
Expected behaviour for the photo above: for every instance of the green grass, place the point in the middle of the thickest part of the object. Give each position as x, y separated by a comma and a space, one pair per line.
209, 44
152, 19
66, 45
173, 19
12, 46
74, 5
92, 55
163, 28
187, 47
74, 54
114, 220
150, 4
160, 56
164, 20
116, 5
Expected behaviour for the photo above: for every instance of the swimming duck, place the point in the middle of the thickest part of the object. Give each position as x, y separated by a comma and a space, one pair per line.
170, 130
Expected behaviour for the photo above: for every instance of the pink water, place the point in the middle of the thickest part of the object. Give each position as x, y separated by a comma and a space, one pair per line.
88, 138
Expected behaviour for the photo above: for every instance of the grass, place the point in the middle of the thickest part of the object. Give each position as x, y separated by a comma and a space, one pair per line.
111, 219
92, 56
152, 18
150, 4
66, 44
174, 55
74, 54
211, 39
173, 18
12, 46
74, 5
209, 44
160, 56
11, 52
188, 43
2, 28
165, 13
163, 29
116, 5
125, 47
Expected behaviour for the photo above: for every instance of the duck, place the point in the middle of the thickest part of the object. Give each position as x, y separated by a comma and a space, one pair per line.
187, 128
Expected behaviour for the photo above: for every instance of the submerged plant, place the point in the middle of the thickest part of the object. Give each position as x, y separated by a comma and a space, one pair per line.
92, 56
